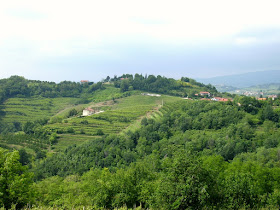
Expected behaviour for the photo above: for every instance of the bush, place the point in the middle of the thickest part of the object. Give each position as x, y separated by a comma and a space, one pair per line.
99, 132
70, 130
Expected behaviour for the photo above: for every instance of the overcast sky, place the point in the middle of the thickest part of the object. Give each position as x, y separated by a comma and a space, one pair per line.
60, 40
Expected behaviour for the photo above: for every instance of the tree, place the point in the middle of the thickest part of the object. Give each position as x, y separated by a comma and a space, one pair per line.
24, 157
124, 85
72, 112
99, 132
185, 183
15, 181
267, 113
28, 127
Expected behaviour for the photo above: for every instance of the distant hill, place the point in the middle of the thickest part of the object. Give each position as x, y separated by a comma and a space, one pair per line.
257, 90
245, 80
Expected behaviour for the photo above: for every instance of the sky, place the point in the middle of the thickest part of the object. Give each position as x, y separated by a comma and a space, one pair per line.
59, 40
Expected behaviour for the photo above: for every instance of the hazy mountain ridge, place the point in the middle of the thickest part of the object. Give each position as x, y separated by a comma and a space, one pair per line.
271, 88
245, 80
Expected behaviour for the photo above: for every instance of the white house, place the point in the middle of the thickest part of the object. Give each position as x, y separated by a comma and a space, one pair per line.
88, 112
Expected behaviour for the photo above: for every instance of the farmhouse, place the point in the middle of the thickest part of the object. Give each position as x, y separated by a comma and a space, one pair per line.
204, 94
88, 112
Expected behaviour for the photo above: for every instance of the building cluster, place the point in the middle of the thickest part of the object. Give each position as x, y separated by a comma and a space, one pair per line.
273, 97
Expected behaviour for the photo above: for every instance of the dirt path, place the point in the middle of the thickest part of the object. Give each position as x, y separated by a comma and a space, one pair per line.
90, 105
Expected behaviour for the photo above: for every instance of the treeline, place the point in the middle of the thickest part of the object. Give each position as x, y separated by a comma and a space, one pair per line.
158, 84
17, 86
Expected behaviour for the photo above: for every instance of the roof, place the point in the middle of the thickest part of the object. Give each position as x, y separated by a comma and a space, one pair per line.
89, 109
84, 81
204, 92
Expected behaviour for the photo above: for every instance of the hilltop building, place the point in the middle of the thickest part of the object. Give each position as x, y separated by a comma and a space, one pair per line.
84, 81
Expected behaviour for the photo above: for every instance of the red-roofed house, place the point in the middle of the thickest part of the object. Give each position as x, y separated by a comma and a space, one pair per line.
84, 81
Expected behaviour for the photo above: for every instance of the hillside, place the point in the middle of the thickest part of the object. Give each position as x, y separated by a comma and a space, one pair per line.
52, 111
145, 151
245, 80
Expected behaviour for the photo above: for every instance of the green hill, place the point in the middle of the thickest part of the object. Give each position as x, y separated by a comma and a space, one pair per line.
145, 148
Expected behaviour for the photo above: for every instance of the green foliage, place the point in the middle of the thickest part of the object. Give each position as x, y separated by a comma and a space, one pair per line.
160, 84
14, 180
184, 184
138, 153
72, 112
99, 132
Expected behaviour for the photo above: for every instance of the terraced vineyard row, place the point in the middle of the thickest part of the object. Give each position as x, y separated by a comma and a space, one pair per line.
30, 109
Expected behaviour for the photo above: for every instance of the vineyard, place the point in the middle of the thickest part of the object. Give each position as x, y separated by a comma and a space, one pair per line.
31, 109
120, 115
114, 119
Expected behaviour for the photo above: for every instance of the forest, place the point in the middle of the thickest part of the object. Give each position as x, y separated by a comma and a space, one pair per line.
167, 153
